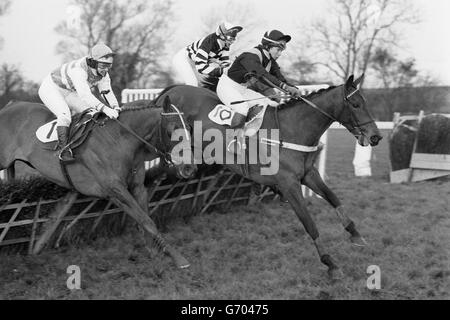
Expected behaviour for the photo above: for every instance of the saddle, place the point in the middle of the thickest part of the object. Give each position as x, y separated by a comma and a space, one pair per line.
79, 130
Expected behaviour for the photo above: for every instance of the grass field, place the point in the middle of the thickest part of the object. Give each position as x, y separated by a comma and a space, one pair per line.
263, 252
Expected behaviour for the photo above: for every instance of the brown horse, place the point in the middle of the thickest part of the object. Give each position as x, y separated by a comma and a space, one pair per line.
301, 124
110, 163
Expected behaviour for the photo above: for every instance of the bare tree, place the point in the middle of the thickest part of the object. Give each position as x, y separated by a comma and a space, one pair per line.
345, 42
4, 6
396, 76
136, 30
10, 79
240, 13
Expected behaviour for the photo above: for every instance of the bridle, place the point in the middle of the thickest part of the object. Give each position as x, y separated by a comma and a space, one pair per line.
165, 155
169, 158
353, 126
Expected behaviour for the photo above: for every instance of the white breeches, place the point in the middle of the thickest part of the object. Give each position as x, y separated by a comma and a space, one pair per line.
229, 91
184, 68
63, 103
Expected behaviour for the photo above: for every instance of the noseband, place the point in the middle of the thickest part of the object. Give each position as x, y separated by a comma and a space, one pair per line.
165, 155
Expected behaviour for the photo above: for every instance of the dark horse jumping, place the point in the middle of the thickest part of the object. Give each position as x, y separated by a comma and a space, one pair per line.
110, 163
300, 123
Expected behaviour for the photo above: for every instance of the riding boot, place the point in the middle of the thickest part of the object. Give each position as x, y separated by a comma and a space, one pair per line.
253, 112
65, 153
237, 123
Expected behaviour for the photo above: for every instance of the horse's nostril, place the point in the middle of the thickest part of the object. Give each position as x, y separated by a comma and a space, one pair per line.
375, 139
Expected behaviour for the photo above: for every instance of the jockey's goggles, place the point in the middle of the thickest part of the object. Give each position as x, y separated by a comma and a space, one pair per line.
104, 65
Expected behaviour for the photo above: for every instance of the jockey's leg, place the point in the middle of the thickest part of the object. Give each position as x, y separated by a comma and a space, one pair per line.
54, 100
183, 68
229, 91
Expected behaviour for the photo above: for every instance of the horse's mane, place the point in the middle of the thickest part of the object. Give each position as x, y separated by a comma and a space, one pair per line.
292, 102
139, 105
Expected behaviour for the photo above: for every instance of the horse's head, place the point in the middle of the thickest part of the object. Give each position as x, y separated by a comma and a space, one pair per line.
173, 128
355, 116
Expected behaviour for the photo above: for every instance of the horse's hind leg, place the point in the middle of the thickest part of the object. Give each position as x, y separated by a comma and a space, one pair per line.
314, 181
292, 191
123, 198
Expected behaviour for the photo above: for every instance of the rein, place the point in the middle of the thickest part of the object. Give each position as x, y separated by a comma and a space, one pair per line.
162, 154
314, 106
134, 134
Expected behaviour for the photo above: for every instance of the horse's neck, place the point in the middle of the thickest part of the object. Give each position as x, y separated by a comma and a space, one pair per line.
304, 125
143, 122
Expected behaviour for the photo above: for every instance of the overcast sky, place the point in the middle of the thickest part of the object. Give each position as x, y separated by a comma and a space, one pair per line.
30, 40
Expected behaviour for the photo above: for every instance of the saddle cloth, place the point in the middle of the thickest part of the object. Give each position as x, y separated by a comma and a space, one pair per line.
82, 124
223, 115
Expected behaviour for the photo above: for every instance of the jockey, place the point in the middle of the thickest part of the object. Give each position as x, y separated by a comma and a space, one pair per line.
261, 62
69, 90
202, 62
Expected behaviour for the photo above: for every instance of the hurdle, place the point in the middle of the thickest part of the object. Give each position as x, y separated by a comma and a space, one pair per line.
423, 166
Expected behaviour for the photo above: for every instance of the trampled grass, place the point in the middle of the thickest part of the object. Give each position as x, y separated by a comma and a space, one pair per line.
263, 252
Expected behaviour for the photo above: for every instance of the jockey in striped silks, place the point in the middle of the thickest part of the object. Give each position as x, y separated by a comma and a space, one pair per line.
203, 62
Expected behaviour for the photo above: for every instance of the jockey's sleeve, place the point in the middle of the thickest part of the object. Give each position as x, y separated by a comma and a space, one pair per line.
105, 85
275, 70
80, 82
251, 63
202, 61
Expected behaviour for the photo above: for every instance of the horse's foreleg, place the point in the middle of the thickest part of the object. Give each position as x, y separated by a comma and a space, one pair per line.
294, 196
121, 197
137, 187
314, 181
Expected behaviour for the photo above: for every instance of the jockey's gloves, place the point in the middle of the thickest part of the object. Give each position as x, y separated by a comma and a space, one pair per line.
111, 113
292, 91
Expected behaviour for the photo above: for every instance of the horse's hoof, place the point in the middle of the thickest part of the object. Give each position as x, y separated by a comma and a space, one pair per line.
358, 241
180, 261
335, 274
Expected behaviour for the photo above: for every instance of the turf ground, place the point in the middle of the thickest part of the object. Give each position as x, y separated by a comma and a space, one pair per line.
263, 252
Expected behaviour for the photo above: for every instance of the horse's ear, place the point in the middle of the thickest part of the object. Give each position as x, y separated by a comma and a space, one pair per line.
349, 82
359, 80
166, 104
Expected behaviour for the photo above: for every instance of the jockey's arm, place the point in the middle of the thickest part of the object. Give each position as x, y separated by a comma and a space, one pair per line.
105, 85
251, 63
204, 64
276, 71
79, 79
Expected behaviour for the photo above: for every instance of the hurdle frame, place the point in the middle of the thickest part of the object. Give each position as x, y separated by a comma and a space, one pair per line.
423, 166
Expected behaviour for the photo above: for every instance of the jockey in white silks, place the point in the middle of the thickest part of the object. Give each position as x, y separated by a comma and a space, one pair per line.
69, 90
261, 61
202, 63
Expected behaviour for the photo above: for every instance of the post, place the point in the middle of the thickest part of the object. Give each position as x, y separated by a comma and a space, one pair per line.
361, 160
419, 121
